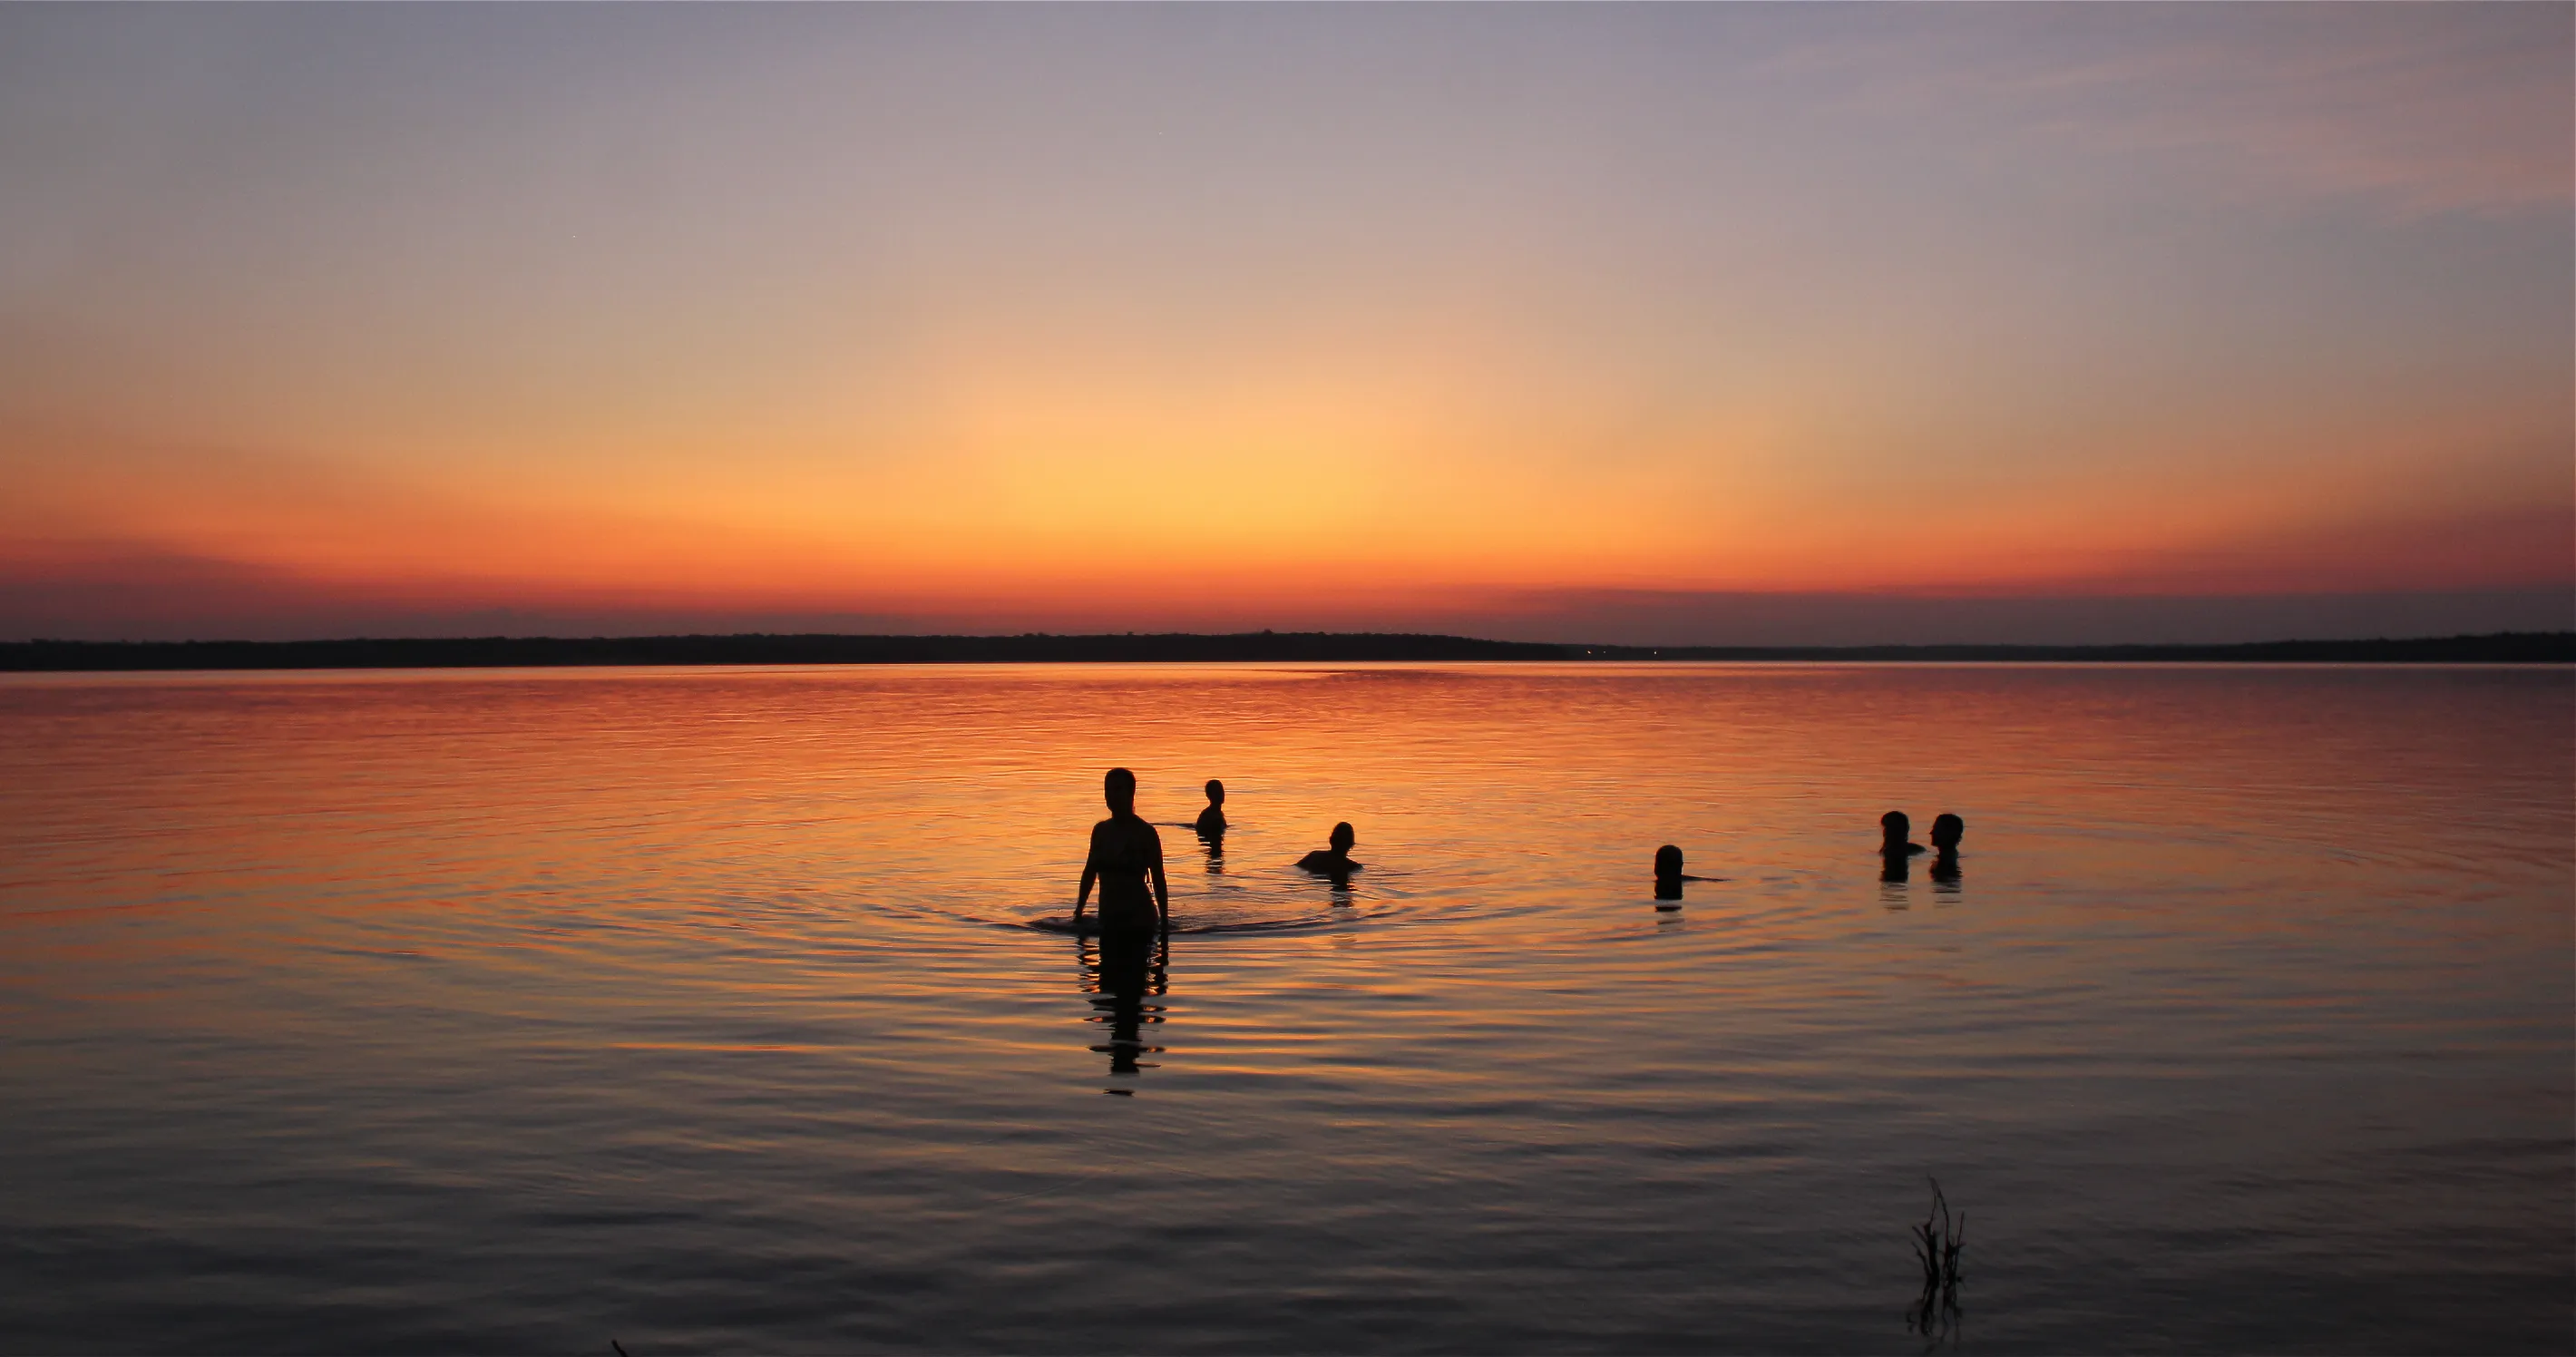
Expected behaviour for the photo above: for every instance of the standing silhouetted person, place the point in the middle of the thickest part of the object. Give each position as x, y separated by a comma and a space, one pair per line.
1212, 820
1124, 850
1336, 860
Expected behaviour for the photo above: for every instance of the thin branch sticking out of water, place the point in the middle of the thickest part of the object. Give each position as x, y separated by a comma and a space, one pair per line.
1937, 1242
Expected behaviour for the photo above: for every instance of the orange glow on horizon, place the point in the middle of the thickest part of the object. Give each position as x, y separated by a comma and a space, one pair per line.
806, 337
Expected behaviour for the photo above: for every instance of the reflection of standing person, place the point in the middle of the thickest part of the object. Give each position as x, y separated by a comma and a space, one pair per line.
1125, 970
1124, 850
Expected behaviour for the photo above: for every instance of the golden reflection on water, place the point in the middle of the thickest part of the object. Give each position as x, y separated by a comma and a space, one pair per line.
2243, 978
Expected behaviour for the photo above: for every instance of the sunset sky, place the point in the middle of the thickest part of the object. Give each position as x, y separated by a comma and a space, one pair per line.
1653, 323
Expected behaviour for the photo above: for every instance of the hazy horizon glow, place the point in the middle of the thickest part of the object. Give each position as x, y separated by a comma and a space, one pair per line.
320, 321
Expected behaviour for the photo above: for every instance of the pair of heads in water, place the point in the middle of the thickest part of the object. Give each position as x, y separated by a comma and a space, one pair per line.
1119, 789
1893, 828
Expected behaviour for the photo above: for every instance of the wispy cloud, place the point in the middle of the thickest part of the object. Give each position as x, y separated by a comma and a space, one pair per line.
2422, 109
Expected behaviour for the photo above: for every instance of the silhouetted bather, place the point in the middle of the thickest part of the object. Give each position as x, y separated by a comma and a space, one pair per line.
1946, 830
1212, 820
1336, 860
1669, 875
1892, 829
1668, 866
1124, 851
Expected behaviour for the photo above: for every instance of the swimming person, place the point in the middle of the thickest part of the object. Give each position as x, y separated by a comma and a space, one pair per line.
1946, 831
1124, 850
1668, 873
1336, 860
1894, 853
1211, 822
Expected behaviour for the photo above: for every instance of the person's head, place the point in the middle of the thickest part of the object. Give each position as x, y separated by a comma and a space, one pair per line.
1342, 838
1668, 861
1893, 826
1119, 787
1946, 829
1216, 792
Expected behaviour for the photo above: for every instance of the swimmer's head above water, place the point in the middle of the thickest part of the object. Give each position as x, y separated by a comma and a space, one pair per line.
1946, 830
1892, 829
1338, 857
1215, 792
1668, 873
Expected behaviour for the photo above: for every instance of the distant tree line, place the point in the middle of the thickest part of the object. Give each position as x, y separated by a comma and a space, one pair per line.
2557, 647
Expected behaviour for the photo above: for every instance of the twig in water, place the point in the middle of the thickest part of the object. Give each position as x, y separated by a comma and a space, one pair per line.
1937, 1242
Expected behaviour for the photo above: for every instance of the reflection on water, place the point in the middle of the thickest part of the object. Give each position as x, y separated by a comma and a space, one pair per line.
1121, 971
703, 1009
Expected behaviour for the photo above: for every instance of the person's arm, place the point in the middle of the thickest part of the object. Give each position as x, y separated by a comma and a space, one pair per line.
1090, 873
1162, 893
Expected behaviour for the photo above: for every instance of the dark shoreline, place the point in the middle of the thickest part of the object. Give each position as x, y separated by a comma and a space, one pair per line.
2556, 647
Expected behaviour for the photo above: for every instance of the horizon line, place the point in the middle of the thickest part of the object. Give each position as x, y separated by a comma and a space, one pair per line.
1266, 646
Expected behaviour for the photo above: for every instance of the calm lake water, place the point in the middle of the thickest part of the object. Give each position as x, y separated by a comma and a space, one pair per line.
697, 1009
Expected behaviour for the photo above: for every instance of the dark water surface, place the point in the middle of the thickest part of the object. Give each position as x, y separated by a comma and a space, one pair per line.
696, 1009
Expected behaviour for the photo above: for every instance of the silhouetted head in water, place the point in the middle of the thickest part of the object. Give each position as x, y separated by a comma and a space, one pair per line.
1892, 829
1946, 830
1212, 820
1669, 876
1336, 859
